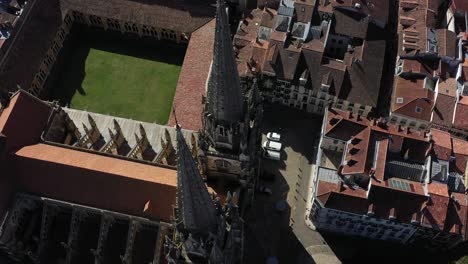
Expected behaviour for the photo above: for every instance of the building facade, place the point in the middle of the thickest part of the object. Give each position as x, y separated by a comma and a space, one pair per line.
379, 181
313, 54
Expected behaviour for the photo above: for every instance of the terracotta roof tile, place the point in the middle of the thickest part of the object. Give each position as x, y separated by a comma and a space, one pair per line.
406, 204
444, 110
193, 77
356, 156
95, 180
446, 42
23, 121
435, 212
461, 115
457, 215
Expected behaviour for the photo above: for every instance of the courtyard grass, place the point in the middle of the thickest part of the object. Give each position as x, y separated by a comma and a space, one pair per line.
127, 86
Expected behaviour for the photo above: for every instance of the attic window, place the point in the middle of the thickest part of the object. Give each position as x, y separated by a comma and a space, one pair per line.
333, 121
355, 141
353, 151
418, 109
399, 100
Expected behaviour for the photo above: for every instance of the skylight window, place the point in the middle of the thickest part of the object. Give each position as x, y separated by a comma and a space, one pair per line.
397, 184
399, 100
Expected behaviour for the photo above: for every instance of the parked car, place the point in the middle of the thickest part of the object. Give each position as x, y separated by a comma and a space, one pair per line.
272, 145
271, 154
273, 136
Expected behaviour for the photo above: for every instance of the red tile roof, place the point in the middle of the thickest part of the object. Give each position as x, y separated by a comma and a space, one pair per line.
444, 109
461, 114
460, 5
406, 205
356, 156
378, 11
445, 140
435, 212
414, 94
338, 197
96, 180
417, 66
446, 146
457, 215
23, 121
416, 17
343, 125
446, 42
193, 77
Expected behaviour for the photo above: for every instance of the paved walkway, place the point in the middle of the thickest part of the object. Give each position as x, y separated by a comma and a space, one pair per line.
285, 235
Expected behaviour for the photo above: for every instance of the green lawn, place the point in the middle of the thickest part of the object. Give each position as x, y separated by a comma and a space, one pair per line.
127, 86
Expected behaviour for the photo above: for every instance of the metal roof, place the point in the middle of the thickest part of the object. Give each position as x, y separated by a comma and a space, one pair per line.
286, 11
404, 170
328, 175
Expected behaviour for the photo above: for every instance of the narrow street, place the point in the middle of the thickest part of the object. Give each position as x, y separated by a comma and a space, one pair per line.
283, 232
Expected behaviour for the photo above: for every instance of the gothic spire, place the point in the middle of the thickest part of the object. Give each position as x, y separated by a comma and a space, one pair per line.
197, 211
224, 96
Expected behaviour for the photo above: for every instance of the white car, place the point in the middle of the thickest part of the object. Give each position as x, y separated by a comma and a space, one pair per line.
272, 145
270, 154
273, 136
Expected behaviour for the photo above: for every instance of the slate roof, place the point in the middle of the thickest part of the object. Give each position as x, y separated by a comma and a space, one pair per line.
404, 169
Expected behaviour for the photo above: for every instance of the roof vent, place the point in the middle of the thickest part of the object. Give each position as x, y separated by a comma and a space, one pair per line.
357, 6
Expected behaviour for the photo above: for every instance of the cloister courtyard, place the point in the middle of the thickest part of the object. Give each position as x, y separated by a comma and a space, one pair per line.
125, 76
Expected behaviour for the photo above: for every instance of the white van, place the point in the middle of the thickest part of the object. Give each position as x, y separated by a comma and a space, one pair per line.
272, 145
274, 136
270, 154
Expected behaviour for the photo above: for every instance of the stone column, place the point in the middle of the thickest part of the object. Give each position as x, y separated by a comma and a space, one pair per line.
132, 231
106, 223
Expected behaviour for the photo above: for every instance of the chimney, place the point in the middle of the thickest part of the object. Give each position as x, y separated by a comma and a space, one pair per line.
415, 217
370, 210
406, 156
392, 215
